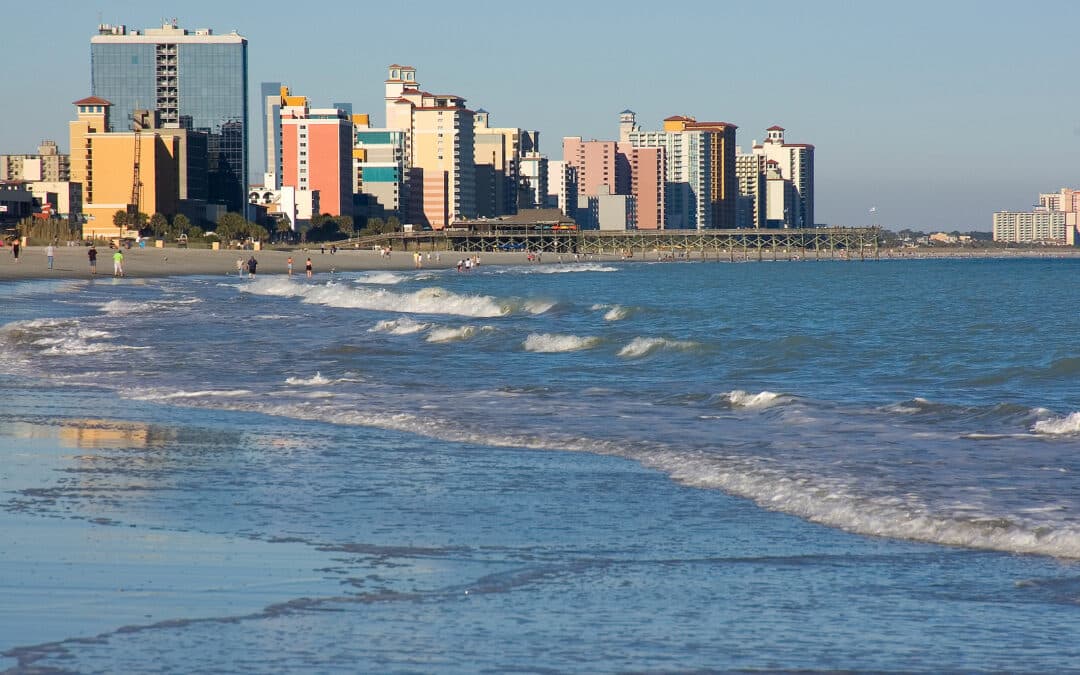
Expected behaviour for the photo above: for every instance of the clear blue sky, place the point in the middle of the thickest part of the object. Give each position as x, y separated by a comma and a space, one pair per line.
937, 113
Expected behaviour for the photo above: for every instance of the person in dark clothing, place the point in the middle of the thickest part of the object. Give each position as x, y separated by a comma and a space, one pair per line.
252, 263
92, 255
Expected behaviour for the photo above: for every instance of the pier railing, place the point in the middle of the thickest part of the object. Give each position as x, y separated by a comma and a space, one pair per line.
743, 244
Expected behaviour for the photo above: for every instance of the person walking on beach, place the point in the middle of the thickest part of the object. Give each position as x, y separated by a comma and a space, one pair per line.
307, 267
118, 263
252, 263
91, 253
15, 249
240, 267
289, 262
50, 253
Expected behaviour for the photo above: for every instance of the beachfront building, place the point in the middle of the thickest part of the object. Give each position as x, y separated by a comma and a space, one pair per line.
562, 187
605, 169
795, 164
119, 169
439, 148
192, 80
47, 176
533, 186
316, 152
49, 164
750, 206
1041, 226
701, 190
379, 165
1065, 199
498, 154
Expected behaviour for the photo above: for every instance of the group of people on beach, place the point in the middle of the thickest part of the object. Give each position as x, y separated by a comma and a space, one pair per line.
468, 263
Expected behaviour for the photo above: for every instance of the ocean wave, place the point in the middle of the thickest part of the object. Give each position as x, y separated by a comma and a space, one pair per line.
1061, 426
564, 268
158, 395
642, 346
549, 343
381, 278
60, 337
741, 399
403, 326
431, 300
124, 307
451, 334
315, 380
538, 306
827, 501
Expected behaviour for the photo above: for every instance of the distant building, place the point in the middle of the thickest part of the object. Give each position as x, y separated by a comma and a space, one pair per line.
701, 189
116, 168
440, 149
192, 80
379, 165
750, 172
1039, 226
48, 165
16, 202
533, 181
498, 154
317, 152
562, 187
794, 163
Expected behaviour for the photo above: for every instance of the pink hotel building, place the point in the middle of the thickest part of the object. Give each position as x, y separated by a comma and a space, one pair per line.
625, 170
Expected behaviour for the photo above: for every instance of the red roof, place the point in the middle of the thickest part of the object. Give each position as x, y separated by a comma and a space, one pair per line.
775, 127
678, 118
798, 145
91, 100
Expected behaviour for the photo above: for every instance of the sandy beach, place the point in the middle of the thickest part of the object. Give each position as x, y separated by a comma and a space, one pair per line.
71, 262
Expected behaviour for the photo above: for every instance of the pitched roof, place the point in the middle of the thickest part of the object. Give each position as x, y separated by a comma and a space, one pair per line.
775, 127
91, 100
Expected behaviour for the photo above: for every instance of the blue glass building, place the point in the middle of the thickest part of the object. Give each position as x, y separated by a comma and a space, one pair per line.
193, 80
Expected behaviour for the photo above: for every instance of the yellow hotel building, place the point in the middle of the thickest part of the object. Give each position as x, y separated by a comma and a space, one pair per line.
104, 162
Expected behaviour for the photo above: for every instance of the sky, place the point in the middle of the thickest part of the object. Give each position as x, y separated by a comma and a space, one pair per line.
933, 114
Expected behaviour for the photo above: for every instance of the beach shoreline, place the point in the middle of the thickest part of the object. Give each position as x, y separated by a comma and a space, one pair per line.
71, 262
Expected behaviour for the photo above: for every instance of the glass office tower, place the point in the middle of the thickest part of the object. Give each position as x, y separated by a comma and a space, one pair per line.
191, 79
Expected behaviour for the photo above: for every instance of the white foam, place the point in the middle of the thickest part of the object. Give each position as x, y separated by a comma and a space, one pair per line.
153, 395
1059, 427
403, 326
742, 399
616, 313
451, 334
549, 343
538, 306
315, 380
381, 278
573, 267
641, 346
123, 307
432, 300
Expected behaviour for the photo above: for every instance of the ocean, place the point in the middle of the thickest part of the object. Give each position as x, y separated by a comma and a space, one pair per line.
573, 467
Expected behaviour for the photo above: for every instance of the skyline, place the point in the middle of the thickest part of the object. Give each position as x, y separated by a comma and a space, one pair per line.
936, 120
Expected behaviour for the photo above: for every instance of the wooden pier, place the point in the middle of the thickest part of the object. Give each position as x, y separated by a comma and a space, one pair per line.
746, 244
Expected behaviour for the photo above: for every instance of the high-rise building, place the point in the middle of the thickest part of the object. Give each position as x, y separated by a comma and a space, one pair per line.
562, 187
750, 172
440, 149
316, 152
701, 188
534, 181
379, 168
121, 169
1042, 226
795, 164
270, 111
47, 165
191, 79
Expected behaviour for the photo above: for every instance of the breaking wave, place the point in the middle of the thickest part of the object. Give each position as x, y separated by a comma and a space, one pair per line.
549, 343
642, 346
742, 399
432, 300
403, 326
451, 334
315, 380
1059, 427
381, 278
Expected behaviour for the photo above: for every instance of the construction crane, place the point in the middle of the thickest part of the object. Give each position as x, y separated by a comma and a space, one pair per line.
136, 184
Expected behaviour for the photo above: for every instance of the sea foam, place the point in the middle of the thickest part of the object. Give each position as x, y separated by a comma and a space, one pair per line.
431, 300
1059, 427
643, 346
549, 343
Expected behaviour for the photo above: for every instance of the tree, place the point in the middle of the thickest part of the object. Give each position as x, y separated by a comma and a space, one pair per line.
393, 224
181, 224
283, 227
120, 218
159, 225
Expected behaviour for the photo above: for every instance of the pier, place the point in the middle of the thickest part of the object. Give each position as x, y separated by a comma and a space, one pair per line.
743, 244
